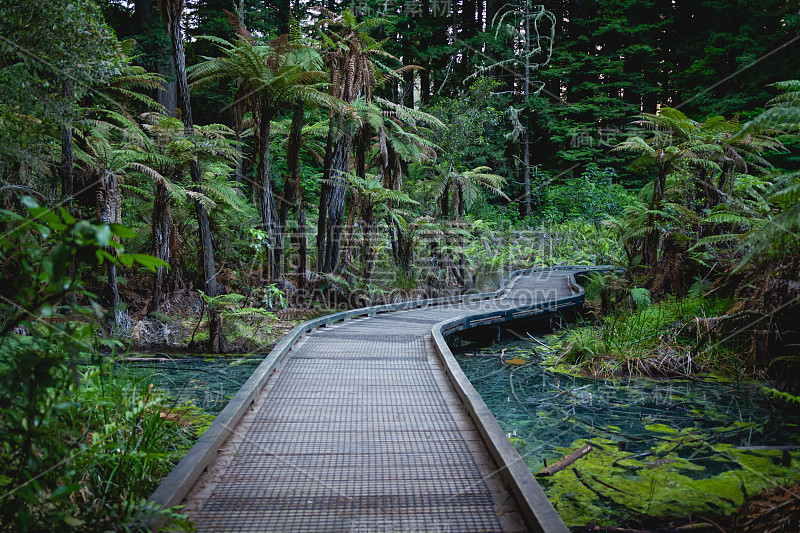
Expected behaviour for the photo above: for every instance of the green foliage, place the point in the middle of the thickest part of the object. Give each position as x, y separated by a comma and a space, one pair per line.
785, 396
77, 444
702, 192
245, 322
641, 297
259, 242
79, 49
650, 339
269, 75
233, 306
777, 237
273, 297
469, 119
592, 197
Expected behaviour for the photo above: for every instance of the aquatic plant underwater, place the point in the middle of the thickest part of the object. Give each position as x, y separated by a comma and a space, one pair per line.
659, 448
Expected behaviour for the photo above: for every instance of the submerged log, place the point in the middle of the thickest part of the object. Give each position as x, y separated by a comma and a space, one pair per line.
564, 462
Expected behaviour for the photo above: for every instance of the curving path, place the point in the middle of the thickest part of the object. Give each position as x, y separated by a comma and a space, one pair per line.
368, 425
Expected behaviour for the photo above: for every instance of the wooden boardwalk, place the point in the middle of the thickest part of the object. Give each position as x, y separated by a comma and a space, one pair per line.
361, 428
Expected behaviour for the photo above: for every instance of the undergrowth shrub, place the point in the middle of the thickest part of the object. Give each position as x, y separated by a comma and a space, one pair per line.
593, 196
80, 447
650, 339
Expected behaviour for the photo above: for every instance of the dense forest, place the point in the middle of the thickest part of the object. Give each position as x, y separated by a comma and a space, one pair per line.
197, 174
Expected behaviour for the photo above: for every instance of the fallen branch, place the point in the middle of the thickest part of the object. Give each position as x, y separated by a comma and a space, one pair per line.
583, 482
610, 486
635, 456
146, 360
564, 462
538, 341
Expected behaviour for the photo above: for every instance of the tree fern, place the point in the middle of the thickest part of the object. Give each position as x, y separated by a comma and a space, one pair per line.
783, 115
728, 218
410, 115
641, 297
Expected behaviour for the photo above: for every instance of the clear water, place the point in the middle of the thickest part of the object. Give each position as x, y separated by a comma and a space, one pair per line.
206, 382
681, 440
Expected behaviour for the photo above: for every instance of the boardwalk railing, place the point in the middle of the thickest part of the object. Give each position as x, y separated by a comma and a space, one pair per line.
179, 482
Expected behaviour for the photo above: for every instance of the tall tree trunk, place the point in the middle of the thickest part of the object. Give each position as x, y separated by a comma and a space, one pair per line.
157, 48
109, 207
652, 236
292, 196
436, 259
325, 194
67, 174
349, 232
284, 14
302, 232
67, 170
264, 195
369, 251
445, 200
526, 155
172, 13
169, 96
425, 87
292, 188
332, 199
162, 225
402, 248
462, 262
363, 138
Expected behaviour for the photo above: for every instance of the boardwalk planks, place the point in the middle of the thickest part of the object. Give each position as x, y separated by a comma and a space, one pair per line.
363, 425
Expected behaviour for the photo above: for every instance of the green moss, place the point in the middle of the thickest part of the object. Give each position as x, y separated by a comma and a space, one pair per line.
609, 486
660, 428
518, 443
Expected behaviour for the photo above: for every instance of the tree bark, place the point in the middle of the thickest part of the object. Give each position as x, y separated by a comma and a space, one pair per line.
168, 97
302, 232
284, 13
293, 188
349, 231
363, 137
162, 225
172, 12
652, 235
332, 202
526, 152
264, 195
292, 195
369, 251
425, 87
325, 193
67, 169
142, 15
109, 207
445, 200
